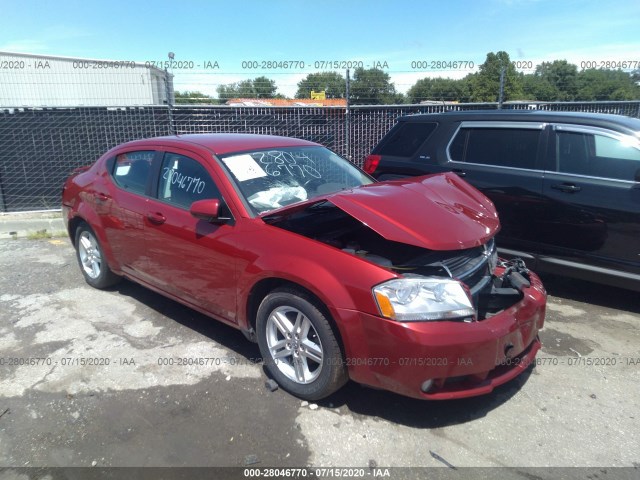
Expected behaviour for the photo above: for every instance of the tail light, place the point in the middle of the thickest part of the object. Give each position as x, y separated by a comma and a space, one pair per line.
371, 163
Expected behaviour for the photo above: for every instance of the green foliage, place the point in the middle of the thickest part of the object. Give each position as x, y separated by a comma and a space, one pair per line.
373, 87
259, 87
438, 89
596, 84
535, 88
554, 81
194, 98
485, 85
44, 234
332, 83
561, 76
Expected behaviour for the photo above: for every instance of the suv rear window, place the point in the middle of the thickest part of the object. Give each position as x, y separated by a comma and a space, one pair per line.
406, 138
505, 147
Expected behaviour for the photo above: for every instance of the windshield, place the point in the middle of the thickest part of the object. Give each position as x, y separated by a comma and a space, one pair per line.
270, 179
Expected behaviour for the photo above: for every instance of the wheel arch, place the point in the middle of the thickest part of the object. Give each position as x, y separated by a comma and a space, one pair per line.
73, 226
85, 215
263, 287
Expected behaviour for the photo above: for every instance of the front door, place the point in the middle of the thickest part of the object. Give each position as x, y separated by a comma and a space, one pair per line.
592, 190
190, 258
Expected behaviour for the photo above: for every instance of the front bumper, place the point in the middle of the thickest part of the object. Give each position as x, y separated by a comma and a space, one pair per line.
460, 359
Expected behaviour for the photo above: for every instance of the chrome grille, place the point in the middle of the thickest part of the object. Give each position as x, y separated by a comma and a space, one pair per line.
471, 266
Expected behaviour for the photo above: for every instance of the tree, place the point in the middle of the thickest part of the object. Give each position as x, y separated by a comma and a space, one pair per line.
486, 83
373, 87
596, 84
535, 88
332, 83
259, 87
439, 89
194, 98
265, 88
561, 76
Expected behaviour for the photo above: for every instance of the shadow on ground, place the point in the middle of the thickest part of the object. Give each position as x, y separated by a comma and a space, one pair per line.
222, 334
356, 398
422, 413
592, 293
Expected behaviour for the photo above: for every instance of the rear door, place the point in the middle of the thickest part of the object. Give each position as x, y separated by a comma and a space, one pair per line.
591, 185
121, 202
504, 160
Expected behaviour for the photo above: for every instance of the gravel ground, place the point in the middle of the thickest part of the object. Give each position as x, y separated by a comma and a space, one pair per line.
129, 407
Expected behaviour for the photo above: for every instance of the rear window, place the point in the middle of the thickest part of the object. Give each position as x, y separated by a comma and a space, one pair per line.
131, 170
505, 147
406, 138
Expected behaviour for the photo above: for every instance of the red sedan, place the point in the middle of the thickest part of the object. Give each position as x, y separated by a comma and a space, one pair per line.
395, 285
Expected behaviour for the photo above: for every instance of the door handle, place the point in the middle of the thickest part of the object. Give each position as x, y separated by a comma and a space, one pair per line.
156, 218
567, 187
460, 173
101, 197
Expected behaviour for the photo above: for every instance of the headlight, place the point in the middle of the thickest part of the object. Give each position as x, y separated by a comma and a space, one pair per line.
424, 298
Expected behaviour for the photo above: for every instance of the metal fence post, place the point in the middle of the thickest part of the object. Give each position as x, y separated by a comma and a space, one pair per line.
167, 87
501, 92
347, 124
3, 205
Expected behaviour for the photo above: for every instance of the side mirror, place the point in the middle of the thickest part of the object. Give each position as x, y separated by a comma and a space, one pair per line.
208, 210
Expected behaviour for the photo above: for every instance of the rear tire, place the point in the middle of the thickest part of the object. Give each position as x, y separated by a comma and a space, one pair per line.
298, 345
93, 264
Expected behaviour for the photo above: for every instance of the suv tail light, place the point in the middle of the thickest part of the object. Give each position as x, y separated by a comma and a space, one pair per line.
371, 163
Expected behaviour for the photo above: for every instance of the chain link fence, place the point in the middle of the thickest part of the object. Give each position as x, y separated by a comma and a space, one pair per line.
39, 147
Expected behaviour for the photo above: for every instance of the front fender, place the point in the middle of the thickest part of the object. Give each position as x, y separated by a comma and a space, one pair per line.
340, 280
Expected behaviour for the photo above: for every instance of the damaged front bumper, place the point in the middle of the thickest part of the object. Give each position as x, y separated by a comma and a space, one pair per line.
450, 359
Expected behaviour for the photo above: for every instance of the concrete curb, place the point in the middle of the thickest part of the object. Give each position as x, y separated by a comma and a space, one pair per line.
22, 225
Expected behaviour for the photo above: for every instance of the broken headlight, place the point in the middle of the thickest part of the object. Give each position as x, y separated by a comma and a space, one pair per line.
423, 299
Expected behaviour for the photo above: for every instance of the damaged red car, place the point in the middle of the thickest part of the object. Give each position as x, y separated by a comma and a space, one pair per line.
395, 285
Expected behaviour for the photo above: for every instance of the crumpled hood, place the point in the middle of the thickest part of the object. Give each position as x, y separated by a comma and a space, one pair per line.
438, 212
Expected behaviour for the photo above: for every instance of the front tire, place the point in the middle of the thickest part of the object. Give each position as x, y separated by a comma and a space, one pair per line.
91, 259
298, 345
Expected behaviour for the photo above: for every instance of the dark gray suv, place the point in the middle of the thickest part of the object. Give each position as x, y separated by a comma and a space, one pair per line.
566, 185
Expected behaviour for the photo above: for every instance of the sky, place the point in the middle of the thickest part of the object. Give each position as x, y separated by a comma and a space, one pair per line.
401, 36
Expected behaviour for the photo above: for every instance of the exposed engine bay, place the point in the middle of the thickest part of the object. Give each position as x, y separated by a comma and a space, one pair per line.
475, 267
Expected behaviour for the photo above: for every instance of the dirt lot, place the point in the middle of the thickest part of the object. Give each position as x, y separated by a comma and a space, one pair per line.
86, 379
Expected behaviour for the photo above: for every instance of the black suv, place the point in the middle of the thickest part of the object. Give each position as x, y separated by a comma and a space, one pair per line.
566, 185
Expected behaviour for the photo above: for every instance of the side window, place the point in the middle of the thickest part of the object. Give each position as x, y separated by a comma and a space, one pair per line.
504, 147
596, 155
184, 180
459, 145
407, 138
131, 170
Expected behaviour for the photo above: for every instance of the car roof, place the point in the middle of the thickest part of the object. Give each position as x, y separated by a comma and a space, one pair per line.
223, 143
617, 122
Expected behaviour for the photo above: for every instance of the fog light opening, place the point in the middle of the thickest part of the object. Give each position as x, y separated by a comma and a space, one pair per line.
426, 386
